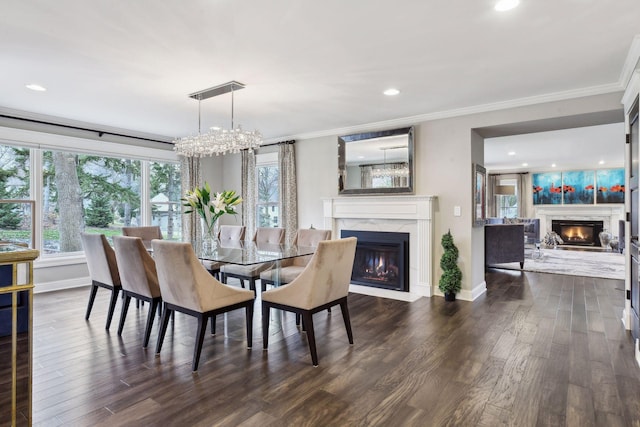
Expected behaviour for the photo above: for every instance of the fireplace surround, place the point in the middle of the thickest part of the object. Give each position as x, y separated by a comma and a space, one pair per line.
609, 214
403, 214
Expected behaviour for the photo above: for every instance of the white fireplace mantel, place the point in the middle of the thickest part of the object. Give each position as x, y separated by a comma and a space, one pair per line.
403, 214
609, 214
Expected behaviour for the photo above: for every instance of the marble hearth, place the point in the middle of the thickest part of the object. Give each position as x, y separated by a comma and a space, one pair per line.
405, 214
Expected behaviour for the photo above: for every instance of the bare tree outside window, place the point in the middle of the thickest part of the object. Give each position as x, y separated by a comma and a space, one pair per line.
267, 206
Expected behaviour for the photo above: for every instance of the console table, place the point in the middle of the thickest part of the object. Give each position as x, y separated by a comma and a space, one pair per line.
16, 336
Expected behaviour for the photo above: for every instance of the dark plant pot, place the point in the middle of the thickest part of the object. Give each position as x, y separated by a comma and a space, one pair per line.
449, 296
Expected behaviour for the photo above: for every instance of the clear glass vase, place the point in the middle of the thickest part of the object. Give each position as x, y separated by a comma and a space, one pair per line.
209, 237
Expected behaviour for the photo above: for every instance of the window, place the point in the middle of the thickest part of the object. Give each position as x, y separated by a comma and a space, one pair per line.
165, 198
506, 199
268, 192
81, 192
15, 218
85, 192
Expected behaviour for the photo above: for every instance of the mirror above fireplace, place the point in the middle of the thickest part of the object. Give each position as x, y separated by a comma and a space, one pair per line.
376, 162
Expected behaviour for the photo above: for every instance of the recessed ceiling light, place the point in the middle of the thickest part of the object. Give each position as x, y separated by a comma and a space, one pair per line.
511, 153
391, 92
601, 162
553, 165
504, 5
36, 87
525, 164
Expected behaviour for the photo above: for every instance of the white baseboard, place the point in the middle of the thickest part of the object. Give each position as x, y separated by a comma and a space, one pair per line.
626, 319
465, 295
384, 293
59, 285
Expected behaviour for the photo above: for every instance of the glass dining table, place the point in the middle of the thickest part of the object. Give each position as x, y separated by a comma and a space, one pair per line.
242, 252
248, 253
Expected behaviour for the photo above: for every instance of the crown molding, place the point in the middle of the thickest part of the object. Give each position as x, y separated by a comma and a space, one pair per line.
631, 63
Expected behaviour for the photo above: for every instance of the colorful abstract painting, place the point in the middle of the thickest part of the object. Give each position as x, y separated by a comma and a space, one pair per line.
547, 188
610, 185
578, 187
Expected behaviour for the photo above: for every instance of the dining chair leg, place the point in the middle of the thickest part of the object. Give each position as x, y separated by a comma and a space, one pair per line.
266, 311
307, 321
123, 313
92, 298
347, 320
202, 327
297, 319
213, 324
150, 317
112, 306
249, 321
164, 322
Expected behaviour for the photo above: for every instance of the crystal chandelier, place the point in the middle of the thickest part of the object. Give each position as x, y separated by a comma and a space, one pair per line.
391, 170
217, 141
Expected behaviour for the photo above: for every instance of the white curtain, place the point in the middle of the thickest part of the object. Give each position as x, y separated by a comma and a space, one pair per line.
249, 192
190, 178
288, 189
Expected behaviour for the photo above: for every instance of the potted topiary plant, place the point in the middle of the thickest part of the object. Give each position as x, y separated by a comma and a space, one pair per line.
451, 279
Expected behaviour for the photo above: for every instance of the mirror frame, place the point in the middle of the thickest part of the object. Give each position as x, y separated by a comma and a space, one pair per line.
479, 201
342, 161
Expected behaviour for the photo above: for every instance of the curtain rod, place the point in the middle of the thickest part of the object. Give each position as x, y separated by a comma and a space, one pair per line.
510, 173
291, 141
99, 132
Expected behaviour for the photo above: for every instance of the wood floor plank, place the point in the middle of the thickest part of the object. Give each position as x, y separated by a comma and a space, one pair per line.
536, 349
580, 411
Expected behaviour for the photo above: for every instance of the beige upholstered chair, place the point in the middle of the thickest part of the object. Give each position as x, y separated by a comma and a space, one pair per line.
322, 284
146, 233
291, 268
139, 279
270, 235
187, 287
103, 269
228, 235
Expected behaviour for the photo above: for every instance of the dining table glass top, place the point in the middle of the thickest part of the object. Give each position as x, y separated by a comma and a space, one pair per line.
242, 252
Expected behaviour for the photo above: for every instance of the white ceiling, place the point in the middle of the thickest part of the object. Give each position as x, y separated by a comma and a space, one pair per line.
576, 148
309, 66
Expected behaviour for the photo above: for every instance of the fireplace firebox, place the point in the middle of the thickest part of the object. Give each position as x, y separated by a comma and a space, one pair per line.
382, 259
578, 232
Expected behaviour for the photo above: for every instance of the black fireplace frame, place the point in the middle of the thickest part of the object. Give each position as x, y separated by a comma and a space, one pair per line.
383, 238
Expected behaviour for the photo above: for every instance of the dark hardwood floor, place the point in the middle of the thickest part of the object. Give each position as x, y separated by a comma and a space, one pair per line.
537, 349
